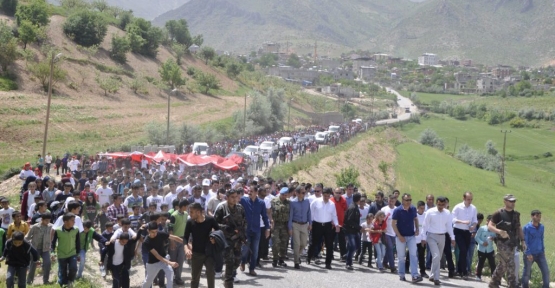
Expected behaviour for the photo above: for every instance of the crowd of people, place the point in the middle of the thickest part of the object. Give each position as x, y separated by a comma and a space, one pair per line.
221, 222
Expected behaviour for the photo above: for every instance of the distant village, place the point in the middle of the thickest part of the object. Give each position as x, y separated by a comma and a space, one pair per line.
429, 73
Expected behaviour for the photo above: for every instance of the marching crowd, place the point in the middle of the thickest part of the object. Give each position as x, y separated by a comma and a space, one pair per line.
221, 222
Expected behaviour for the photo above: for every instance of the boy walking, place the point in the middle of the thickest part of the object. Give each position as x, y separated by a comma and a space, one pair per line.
18, 255
484, 238
68, 249
39, 237
535, 249
155, 243
120, 254
86, 238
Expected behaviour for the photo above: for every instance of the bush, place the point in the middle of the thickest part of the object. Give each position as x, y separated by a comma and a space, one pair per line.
489, 160
41, 71
347, 176
37, 12
7, 84
143, 37
430, 138
207, 81
120, 47
108, 84
517, 123
9, 7
86, 28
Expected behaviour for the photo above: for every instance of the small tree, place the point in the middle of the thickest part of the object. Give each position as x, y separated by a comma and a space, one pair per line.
198, 40
8, 47
207, 81
208, 53
108, 84
171, 74
179, 50
294, 61
27, 32
37, 12
346, 177
41, 71
9, 7
86, 28
430, 138
125, 18
138, 84
89, 51
383, 166
233, 69
349, 111
100, 5
120, 47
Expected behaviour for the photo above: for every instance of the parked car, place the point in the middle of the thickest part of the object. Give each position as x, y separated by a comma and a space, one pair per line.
200, 148
268, 146
334, 128
321, 137
302, 140
284, 140
310, 137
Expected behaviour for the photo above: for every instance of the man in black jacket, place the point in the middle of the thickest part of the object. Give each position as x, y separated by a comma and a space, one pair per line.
18, 254
351, 224
120, 254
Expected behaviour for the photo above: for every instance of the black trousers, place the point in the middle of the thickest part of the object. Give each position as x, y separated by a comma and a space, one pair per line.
263, 245
482, 259
365, 246
462, 237
421, 258
448, 254
120, 276
342, 243
319, 231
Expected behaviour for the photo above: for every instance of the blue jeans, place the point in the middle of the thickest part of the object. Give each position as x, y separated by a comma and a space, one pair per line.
46, 265
67, 268
389, 258
250, 249
542, 263
380, 252
351, 247
82, 260
20, 272
470, 256
410, 243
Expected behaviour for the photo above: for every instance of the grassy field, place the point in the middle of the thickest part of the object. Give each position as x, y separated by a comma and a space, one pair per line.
422, 170
427, 98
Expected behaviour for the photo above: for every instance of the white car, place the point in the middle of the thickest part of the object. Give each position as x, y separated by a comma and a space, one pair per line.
200, 148
321, 137
284, 140
334, 128
268, 146
251, 150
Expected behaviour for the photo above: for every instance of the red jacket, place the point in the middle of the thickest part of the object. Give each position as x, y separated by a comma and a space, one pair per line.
24, 205
376, 236
340, 208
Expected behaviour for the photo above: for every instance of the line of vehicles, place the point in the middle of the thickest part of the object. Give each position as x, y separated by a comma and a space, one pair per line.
321, 138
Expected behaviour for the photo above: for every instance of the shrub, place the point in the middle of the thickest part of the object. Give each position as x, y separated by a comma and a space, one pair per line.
37, 12
9, 6
347, 176
86, 28
120, 47
41, 71
7, 84
108, 84
430, 138
517, 123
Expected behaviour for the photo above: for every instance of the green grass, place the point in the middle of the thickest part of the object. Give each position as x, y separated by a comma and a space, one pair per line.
522, 143
7, 84
544, 103
427, 98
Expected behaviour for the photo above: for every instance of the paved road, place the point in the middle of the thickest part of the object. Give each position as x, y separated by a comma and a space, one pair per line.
403, 102
316, 276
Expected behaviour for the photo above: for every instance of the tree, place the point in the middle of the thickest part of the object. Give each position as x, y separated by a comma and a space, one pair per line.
9, 7
346, 177
41, 71
143, 37
208, 53
294, 61
268, 59
179, 50
233, 69
430, 138
8, 47
100, 5
138, 84
349, 111
27, 32
198, 40
74, 4
179, 32
108, 84
37, 12
207, 81
125, 18
171, 74
120, 47
86, 28
135, 39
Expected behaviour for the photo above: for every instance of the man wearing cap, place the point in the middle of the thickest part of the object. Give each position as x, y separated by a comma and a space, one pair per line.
280, 219
299, 223
206, 193
505, 222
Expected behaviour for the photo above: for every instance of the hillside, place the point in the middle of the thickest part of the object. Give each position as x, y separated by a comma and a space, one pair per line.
450, 28
148, 9
245, 24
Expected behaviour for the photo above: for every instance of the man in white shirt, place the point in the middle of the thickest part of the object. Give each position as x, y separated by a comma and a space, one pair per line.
317, 193
324, 222
48, 162
437, 223
206, 193
26, 172
173, 194
104, 193
155, 198
72, 165
144, 163
389, 233
464, 221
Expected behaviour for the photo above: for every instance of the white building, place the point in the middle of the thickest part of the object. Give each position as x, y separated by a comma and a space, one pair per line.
428, 59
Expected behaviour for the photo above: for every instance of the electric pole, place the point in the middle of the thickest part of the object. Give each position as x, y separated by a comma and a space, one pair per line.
502, 176
454, 149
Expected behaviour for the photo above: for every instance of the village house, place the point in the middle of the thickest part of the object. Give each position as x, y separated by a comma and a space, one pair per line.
501, 71
367, 73
428, 59
297, 75
194, 48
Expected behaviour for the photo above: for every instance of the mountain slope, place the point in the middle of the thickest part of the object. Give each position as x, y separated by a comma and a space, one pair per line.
493, 31
245, 24
148, 9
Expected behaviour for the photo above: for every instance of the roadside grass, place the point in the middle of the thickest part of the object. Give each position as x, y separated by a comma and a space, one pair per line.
427, 98
543, 103
522, 143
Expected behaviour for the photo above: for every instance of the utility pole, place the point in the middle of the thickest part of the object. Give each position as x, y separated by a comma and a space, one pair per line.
502, 176
53, 59
245, 117
289, 120
455, 149
168, 124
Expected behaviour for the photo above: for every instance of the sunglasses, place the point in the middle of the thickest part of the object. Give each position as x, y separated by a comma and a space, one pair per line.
408, 200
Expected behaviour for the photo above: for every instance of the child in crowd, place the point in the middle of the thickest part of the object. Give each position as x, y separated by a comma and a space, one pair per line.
484, 239
40, 237
376, 231
86, 238
6, 213
41, 210
119, 257
164, 207
72, 207
68, 249
18, 255
106, 234
103, 217
366, 241
136, 217
17, 225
